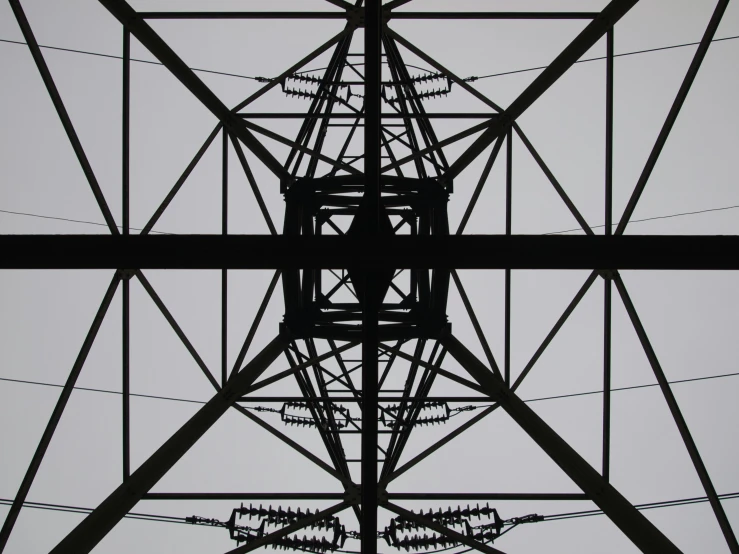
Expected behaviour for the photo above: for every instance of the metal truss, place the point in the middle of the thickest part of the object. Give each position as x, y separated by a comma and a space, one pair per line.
366, 259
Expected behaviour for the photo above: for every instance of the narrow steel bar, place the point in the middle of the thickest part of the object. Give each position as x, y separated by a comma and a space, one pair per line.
481, 183
553, 180
445, 531
452, 377
395, 252
269, 380
606, 378
606, 471
494, 15
438, 444
334, 115
181, 181
242, 15
664, 133
507, 276
436, 147
297, 146
98, 524
627, 518
224, 272
176, 328
475, 323
297, 526
56, 415
125, 293
161, 50
126, 132
487, 496
61, 111
609, 134
244, 496
252, 399
254, 186
255, 323
557, 326
677, 415
126, 379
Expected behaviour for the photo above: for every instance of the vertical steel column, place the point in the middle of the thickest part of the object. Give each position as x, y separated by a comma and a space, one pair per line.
508, 227
224, 272
372, 159
125, 296
606, 377
606, 277
126, 385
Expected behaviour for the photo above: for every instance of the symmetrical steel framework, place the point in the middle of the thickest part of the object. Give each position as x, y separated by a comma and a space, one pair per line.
366, 258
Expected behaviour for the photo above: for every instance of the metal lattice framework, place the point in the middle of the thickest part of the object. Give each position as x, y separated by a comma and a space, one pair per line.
366, 259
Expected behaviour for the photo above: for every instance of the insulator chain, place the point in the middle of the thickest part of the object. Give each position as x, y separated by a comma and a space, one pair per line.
401, 96
388, 417
450, 518
300, 93
280, 517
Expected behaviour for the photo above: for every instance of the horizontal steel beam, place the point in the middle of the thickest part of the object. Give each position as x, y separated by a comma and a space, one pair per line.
485, 496
399, 252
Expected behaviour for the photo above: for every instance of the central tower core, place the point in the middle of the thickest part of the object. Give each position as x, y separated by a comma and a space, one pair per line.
328, 303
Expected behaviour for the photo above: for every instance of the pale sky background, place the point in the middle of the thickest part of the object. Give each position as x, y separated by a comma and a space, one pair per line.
691, 317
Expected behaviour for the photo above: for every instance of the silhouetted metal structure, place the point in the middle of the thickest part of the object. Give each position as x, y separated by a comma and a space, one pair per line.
366, 258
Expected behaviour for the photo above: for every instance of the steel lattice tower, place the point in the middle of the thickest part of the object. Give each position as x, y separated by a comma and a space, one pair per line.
366, 260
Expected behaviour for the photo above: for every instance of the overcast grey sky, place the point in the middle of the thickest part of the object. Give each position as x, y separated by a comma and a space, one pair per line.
691, 317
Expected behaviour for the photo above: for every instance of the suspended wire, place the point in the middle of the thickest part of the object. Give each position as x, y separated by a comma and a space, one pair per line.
262, 79
668, 216
649, 506
105, 391
78, 510
604, 57
76, 221
649, 218
111, 56
571, 395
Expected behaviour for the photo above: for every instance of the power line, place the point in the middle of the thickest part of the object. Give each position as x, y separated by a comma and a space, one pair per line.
650, 218
649, 506
105, 391
110, 56
632, 387
558, 397
659, 49
75, 221
707, 210
262, 79
78, 510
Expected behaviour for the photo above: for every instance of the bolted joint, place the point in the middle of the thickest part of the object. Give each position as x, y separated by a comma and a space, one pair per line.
382, 496
608, 274
355, 17
353, 494
126, 274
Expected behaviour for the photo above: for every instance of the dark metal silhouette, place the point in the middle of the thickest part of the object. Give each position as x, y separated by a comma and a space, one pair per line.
366, 258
